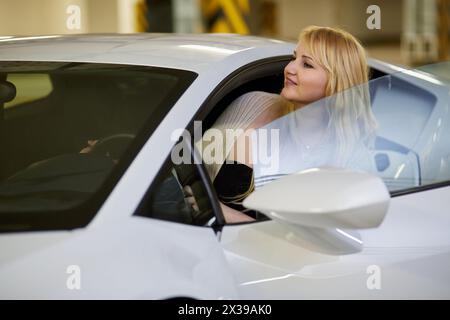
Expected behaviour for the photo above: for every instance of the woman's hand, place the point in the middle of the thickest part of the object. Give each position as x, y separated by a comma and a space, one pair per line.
90, 145
190, 198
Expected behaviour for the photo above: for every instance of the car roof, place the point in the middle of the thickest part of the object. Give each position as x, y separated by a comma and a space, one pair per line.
193, 52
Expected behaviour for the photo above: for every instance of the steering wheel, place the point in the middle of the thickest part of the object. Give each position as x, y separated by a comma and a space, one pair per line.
113, 145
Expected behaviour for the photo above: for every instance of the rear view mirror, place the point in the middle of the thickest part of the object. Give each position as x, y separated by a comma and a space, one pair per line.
7, 91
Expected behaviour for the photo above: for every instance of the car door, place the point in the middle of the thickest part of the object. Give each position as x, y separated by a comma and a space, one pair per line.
58, 239
408, 254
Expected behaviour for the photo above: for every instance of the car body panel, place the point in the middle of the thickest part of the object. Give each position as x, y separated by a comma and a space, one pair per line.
124, 260
196, 53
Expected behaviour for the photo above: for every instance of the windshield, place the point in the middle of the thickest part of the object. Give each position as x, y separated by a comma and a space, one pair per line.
396, 126
68, 131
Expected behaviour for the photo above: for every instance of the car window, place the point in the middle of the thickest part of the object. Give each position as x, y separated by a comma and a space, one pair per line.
404, 137
167, 198
69, 130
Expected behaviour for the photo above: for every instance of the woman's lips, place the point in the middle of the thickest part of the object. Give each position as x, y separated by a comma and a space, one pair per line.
289, 82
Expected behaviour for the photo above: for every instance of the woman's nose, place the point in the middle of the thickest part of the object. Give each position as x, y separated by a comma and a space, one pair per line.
290, 68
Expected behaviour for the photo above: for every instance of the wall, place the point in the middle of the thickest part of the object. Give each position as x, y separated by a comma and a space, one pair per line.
293, 15
31, 17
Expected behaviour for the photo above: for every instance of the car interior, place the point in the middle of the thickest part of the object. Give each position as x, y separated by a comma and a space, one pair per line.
77, 110
398, 162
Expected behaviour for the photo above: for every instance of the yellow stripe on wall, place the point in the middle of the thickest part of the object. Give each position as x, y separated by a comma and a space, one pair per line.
141, 23
233, 18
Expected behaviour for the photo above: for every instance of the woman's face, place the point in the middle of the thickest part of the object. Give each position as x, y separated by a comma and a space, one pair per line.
304, 80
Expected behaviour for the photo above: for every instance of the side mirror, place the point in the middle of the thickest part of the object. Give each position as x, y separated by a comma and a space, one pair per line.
324, 198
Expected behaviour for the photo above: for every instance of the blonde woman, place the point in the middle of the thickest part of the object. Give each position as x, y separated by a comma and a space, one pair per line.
325, 63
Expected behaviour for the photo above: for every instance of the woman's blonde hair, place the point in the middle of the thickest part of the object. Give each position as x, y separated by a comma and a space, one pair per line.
344, 59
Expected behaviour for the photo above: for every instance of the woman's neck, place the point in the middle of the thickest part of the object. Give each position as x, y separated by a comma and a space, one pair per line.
298, 105
312, 123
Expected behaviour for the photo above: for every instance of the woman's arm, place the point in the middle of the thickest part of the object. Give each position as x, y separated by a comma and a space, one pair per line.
241, 152
234, 216
231, 215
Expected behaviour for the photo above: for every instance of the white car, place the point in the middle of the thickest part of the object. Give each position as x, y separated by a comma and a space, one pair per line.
91, 205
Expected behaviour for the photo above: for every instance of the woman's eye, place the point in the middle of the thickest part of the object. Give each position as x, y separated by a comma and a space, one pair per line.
293, 58
307, 65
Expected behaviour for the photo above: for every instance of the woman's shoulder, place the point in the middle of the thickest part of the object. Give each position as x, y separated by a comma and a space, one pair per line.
272, 106
252, 110
259, 96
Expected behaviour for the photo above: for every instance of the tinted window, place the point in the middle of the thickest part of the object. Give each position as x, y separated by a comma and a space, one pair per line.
68, 130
